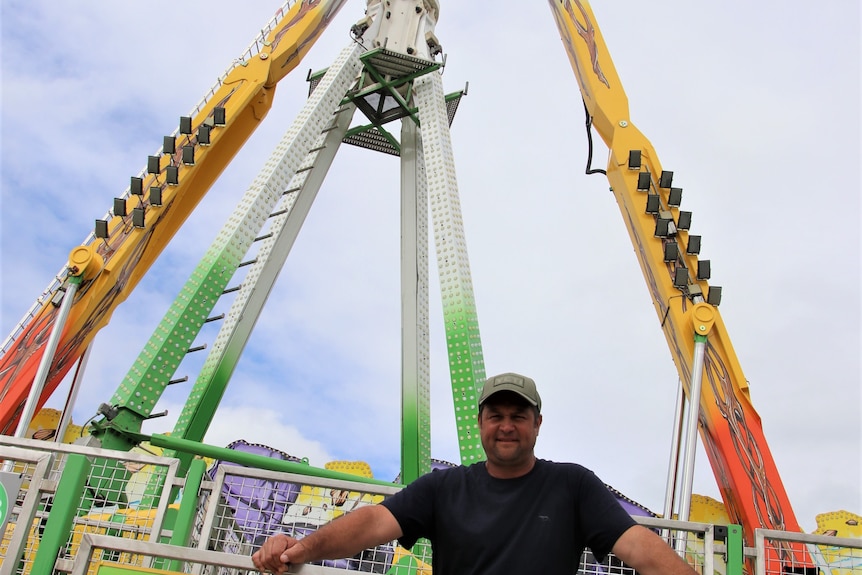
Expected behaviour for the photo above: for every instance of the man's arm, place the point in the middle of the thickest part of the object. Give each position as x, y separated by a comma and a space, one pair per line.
648, 553
344, 537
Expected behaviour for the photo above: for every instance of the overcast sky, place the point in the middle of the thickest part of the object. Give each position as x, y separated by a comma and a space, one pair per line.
754, 106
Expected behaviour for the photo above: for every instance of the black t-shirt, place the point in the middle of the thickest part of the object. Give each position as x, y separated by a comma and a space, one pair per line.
537, 523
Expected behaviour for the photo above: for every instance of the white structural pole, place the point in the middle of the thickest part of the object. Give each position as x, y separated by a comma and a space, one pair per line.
66, 416
673, 461
466, 361
47, 357
415, 341
691, 427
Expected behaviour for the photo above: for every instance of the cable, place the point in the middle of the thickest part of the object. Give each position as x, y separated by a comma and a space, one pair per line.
589, 123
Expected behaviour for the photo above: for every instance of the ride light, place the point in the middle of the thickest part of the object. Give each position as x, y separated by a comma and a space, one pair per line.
136, 186
634, 159
680, 277
204, 135
172, 175
153, 165
671, 251
138, 217
666, 179
120, 207
652, 204
643, 181
185, 125
713, 296
674, 198
219, 116
683, 222
169, 145
155, 196
102, 229
704, 269
693, 247
189, 155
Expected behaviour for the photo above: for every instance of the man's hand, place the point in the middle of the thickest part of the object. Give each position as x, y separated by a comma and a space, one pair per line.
278, 553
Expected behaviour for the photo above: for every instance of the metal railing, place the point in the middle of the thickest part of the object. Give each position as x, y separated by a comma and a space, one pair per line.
236, 508
831, 555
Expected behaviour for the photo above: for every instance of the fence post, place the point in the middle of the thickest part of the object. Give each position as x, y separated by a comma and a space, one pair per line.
70, 491
735, 556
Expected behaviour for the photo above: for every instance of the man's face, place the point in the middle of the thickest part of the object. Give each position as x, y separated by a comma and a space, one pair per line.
509, 428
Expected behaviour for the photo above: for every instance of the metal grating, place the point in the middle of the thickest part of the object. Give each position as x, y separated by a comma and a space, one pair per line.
373, 140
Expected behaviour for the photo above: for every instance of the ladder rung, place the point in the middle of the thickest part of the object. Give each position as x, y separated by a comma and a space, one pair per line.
233, 289
263, 237
278, 213
248, 263
180, 380
198, 348
214, 318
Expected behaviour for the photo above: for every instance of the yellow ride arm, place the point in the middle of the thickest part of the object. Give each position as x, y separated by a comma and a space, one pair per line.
730, 427
112, 264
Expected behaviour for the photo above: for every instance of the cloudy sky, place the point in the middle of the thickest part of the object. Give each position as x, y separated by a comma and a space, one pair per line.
755, 107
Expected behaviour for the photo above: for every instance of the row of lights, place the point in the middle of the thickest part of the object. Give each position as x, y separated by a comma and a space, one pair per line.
666, 227
169, 147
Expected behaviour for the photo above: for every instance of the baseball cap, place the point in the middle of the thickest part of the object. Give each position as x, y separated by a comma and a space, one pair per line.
520, 384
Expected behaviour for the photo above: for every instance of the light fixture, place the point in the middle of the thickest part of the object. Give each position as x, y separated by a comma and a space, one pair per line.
120, 207
169, 145
643, 181
713, 296
652, 204
680, 277
189, 155
153, 165
136, 186
674, 198
138, 217
704, 269
185, 125
172, 175
155, 196
219, 116
666, 179
693, 246
634, 159
671, 251
102, 229
683, 222
204, 135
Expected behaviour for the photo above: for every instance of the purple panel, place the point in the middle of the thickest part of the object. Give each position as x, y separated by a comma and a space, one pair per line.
257, 504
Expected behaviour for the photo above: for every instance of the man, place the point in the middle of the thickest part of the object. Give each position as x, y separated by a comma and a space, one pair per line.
512, 513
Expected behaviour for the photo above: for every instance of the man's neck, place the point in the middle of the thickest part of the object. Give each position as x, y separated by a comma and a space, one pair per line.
507, 472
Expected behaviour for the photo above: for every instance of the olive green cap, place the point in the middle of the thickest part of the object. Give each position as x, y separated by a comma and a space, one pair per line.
520, 384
